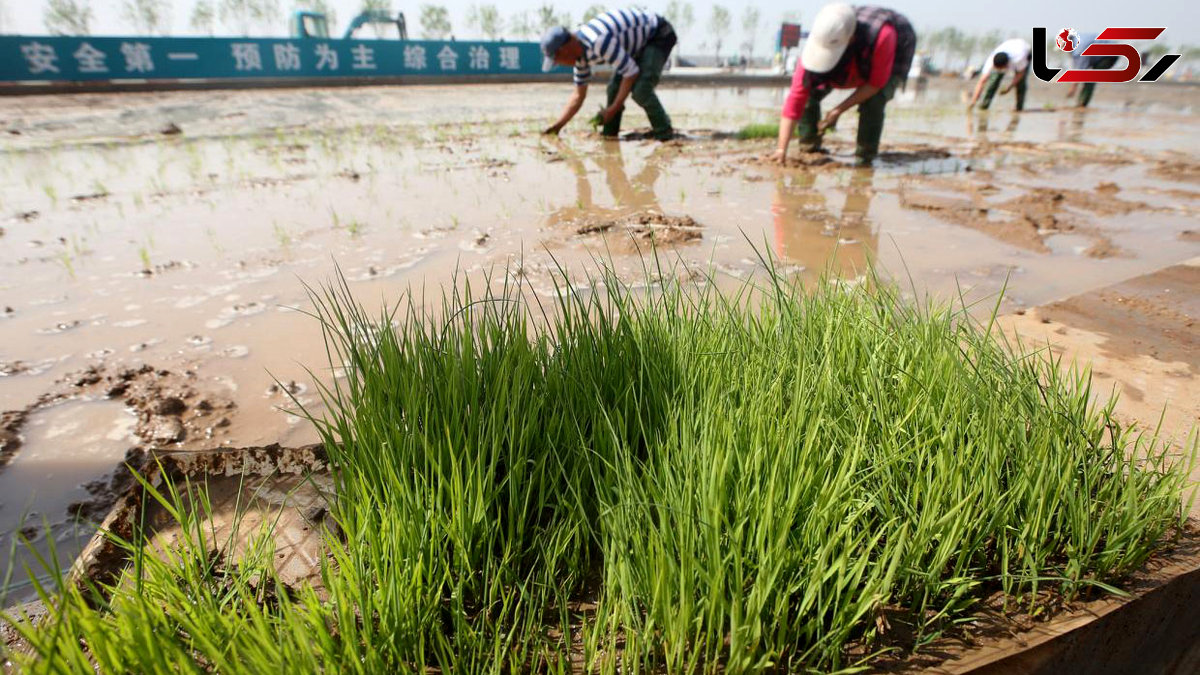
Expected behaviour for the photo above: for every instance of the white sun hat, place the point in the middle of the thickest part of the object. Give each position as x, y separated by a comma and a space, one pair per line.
830, 35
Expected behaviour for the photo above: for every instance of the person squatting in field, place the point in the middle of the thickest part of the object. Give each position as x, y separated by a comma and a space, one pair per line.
1078, 60
1011, 56
867, 49
636, 44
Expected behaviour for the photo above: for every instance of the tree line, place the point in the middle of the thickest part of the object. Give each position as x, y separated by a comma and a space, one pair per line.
154, 17
950, 49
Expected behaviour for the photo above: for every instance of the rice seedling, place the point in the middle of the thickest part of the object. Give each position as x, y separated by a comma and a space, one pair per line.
672, 479
756, 131
282, 236
68, 262
144, 256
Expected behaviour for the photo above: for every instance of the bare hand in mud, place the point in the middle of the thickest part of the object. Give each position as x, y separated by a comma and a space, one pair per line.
609, 113
551, 130
830, 121
777, 157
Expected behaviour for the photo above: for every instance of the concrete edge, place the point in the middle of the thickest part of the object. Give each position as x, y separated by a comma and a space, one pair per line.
102, 559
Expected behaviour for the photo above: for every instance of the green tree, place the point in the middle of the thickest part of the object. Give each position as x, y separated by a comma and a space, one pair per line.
204, 17
970, 45
522, 26
321, 7
435, 22
681, 15
242, 15
592, 12
950, 40
546, 17
485, 20
148, 17
68, 17
718, 26
750, 22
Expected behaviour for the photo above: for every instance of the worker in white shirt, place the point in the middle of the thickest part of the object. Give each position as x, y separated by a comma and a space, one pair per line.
1011, 56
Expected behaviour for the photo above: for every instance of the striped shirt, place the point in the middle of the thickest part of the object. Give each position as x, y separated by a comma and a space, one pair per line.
615, 38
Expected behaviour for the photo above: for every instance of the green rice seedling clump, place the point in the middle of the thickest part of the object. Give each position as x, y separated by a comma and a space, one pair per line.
759, 130
675, 479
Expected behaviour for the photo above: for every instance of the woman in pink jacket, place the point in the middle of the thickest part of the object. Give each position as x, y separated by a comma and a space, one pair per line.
867, 49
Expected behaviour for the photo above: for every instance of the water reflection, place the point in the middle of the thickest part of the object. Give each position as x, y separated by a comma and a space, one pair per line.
630, 195
979, 125
809, 233
1070, 126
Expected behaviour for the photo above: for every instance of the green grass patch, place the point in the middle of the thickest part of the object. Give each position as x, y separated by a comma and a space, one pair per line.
756, 131
674, 479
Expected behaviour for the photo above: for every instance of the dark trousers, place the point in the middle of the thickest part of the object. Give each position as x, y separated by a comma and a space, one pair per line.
650, 62
993, 84
1089, 88
871, 113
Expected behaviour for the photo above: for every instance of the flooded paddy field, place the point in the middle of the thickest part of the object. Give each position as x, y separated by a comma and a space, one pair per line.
154, 246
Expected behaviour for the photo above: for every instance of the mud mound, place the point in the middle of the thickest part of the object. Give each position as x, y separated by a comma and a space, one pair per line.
10, 434
1028, 220
896, 155
170, 410
803, 160
1180, 171
655, 227
1101, 201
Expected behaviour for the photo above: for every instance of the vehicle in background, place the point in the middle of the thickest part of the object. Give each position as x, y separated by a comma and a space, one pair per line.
315, 25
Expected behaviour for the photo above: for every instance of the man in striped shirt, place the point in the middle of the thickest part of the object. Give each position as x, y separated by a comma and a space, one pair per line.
636, 44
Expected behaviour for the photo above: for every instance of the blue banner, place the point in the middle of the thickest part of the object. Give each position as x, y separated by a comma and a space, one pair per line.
90, 59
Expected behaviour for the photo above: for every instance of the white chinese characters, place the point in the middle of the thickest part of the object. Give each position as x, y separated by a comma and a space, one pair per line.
137, 57
414, 57
364, 58
246, 56
287, 57
510, 58
480, 58
40, 58
448, 58
327, 57
90, 59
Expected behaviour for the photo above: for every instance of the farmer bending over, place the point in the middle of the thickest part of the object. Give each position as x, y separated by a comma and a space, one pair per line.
636, 44
1078, 60
867, 49
1012, 55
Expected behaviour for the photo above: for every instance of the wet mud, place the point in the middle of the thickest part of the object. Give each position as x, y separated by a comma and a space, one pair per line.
162, 271
1029, 220
168, 410
653, 228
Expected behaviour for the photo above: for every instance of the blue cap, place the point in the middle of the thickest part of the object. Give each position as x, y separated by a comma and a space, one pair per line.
552, 41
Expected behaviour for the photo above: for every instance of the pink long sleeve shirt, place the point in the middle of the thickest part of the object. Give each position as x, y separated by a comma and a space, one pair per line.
882, 59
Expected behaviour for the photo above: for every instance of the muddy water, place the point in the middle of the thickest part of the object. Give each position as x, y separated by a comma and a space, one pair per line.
65, 447
125, 246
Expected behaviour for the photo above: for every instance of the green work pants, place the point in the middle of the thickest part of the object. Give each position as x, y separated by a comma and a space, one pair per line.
651, 64
993, 84
871, 113
1089, 88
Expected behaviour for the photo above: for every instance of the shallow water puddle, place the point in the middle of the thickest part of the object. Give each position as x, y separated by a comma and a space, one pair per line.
123, 248
68, 451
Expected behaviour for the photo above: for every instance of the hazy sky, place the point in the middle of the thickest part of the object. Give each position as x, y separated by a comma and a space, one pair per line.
1013, 16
